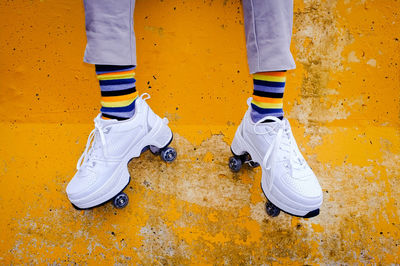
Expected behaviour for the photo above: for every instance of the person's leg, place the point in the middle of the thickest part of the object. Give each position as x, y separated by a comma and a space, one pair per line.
111, 46
118, 91
109, 31
264, 137
268, 28
126, 126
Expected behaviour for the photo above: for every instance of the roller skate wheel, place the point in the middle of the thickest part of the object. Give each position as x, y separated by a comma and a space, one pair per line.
120, 201
271, 209
235, 163
253, 164
168, 154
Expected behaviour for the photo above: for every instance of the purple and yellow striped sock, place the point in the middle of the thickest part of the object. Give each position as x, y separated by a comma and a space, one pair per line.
268, 95
118, 91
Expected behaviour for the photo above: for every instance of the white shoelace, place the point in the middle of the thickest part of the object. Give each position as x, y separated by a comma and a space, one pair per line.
275, 143
92, 145
283, 136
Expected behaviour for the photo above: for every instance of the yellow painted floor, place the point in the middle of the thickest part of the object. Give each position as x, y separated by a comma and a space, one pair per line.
342, 102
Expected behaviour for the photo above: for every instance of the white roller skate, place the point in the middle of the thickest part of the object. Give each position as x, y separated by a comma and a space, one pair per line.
287, 181
102, 169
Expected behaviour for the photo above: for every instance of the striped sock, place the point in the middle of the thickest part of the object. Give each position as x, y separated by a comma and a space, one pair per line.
268, 94
118, 91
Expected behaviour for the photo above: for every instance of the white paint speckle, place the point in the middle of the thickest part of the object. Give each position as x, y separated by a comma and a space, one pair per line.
352, 57
372, 62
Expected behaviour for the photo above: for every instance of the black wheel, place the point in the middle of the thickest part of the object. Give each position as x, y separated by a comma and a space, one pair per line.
235, 163
154, 150
253, 164
168, 154
121, 200
271, 209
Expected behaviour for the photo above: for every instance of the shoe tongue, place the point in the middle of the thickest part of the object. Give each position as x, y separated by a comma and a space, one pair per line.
267, 124
104, 122
270, 128
271, 121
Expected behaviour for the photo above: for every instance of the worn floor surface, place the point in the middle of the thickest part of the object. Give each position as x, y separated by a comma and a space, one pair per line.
196, 210
342, 102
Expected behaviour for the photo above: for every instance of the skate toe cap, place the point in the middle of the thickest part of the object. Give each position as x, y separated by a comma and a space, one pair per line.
310, 188
305, 192
79, 184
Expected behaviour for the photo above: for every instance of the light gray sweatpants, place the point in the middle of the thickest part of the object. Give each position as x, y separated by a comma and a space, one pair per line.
268, 27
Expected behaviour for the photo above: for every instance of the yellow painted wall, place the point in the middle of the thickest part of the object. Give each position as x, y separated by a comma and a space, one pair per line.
342, 101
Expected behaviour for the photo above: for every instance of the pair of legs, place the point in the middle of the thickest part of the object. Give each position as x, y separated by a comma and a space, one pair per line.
111, 42
127, 125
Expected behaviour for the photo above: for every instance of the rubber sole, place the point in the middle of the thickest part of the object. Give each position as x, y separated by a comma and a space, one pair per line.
101, 204
236, 142
109, 200
308, 215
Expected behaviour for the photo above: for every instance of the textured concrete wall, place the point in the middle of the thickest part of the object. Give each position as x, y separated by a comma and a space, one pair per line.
342, 101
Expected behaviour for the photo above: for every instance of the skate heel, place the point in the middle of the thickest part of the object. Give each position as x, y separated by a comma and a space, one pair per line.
240, 153
159, 144
238, 159
237, 148
162, 136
